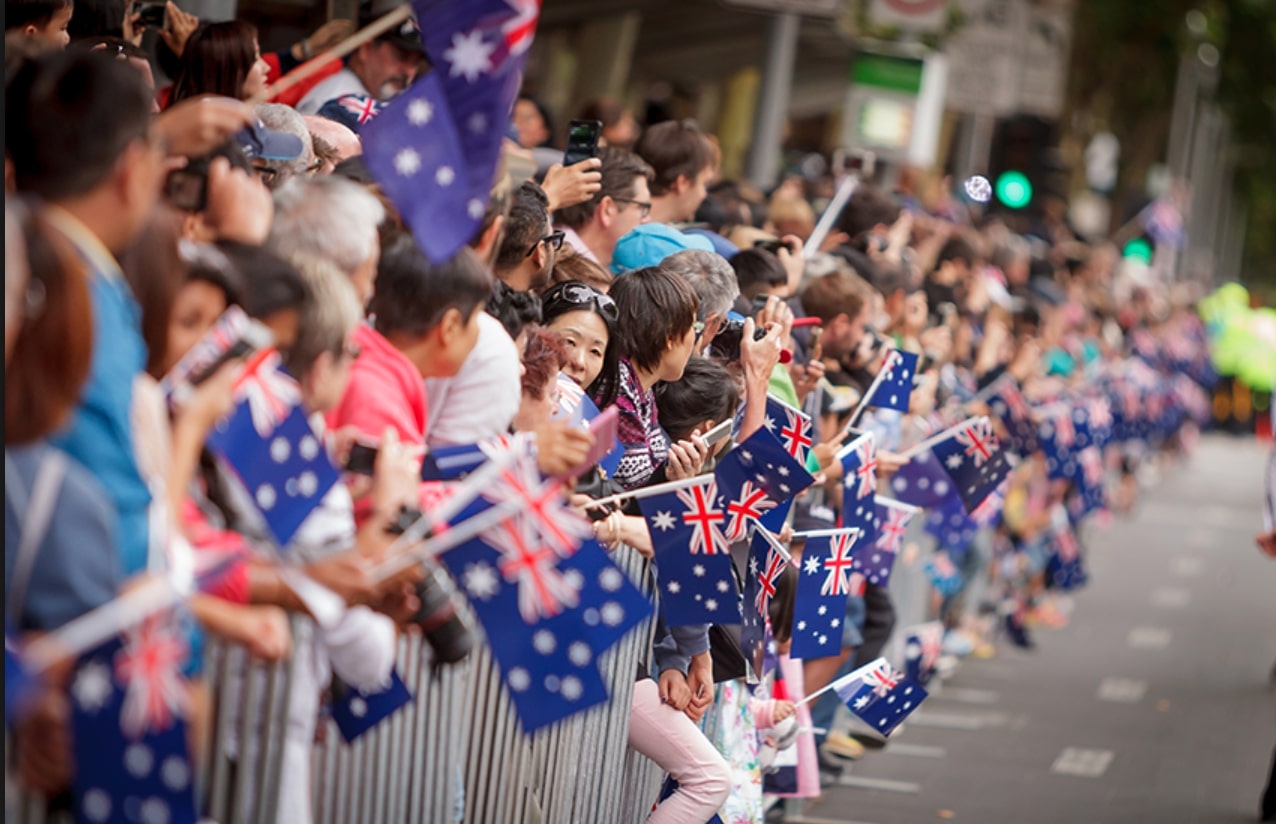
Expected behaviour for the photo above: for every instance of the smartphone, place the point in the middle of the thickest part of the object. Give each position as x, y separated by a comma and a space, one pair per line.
362, 460
255, 336
150, 15
772, 246
187, 190
582, 141
719, 433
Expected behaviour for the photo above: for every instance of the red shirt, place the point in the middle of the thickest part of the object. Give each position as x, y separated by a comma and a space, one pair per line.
385, 389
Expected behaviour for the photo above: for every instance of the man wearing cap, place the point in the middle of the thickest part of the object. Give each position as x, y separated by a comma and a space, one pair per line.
379, 69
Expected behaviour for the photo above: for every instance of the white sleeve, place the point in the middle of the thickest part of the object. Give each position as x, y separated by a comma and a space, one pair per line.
361, 647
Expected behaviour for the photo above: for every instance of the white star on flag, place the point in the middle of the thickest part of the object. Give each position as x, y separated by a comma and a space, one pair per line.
480, 581
663, 521
444, 176
407, 162
92, 686
475, 208
469, 55
420, 112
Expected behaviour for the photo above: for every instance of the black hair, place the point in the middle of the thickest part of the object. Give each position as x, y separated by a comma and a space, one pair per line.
554, 303
957, 248
757, 270
706, 392
869, 206
413, 294
115, 46
780, 609
97, 17
545, 117
21, 13
655, 307
515, 310
524, 227
270, 283
70, 116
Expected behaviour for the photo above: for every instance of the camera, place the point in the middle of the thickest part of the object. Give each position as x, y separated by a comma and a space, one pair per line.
150, 15
445, 629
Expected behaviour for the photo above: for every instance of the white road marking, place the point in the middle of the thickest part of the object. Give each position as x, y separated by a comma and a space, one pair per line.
879, 784
1081, 762
1187, 567
1171, 598
916, 750
1149, 638
957, 721
968, 695
1122, 690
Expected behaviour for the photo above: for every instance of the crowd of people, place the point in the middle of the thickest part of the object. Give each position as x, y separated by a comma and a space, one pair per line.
145, 217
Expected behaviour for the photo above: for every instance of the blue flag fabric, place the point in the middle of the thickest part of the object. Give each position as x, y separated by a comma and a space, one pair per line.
577, 407
356, 711
823, 587
434, 149
1065, 567
876, 558
269, 444
896, 386
1008, 404
128, 707
763, 571
692, 555
952, 528
922, 482
754, 479
880, 696
792, 427
923, 644
974, 461
859, 486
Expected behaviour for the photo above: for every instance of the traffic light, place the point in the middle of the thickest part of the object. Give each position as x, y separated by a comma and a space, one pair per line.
1013, 189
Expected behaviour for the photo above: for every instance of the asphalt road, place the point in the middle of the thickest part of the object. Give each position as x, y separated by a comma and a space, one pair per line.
1154, 705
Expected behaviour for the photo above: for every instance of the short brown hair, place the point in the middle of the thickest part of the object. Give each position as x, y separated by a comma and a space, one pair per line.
674, 149
835, 294
868, 207
655, 307
54, 350
620, 169
569, 265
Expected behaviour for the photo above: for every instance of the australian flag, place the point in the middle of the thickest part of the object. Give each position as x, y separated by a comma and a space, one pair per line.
921, 482
271, 446
128, 711
1065, 568
859, 485
765, 568
356, 711
879, 695
877, 559
1008, 404
693, 560
894, 384
452, 463
823, 587
973, 460
754, 479
922, 647
792, 427
434, 149
575, 406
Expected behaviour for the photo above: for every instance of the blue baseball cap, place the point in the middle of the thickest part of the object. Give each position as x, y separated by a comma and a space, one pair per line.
650, 243
259, 142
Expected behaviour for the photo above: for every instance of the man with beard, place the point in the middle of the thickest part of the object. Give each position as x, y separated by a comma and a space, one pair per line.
380, 69
528, 250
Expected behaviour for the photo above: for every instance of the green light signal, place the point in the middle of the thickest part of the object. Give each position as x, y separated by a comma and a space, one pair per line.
1014, 189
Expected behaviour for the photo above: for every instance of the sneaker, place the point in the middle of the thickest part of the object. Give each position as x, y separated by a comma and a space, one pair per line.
842, 746
870, 741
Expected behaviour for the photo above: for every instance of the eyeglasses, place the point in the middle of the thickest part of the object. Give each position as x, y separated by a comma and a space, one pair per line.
351, 351
554, 239
644, 206
699, 327
575, 293
266, 174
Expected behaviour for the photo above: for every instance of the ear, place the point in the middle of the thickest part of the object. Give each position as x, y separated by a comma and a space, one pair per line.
605, 214
682, 184
30, 31
450, 327
490, 240
539, 256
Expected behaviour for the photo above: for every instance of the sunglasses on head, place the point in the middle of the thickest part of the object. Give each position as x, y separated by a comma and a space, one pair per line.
583, 295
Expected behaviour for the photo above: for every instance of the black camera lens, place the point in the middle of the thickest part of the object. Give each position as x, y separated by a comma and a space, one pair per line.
443, 626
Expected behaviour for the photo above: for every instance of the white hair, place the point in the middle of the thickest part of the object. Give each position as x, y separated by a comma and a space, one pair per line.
710, 275
330, 217
286, 119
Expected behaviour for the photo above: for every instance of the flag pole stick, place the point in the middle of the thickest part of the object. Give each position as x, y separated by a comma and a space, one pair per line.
868, 394
830, 216
917, 449
845, 679
825, 533
894, 504
369, 32
444, 541
770, 539
648, 491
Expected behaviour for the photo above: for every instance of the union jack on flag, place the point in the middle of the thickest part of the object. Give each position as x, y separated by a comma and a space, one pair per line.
795, 428
767, 578
751, 505
149, 664
551, 520
543, 591
837, 565
892, 528
703, 513
270, 392
693, 565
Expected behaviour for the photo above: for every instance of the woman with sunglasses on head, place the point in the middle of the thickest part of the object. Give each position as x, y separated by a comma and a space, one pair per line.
586, 319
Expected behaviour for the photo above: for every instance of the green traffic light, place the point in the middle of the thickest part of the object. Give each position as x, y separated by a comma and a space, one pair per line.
1138, 249
1014, 189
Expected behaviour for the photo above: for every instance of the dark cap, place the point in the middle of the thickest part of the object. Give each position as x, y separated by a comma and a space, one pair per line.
406, 35
261, 143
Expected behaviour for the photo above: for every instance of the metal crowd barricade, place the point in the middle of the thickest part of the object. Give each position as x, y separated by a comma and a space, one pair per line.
455, 754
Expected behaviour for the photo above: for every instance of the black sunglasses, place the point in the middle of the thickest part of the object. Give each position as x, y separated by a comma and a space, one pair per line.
554, 239
575, 293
